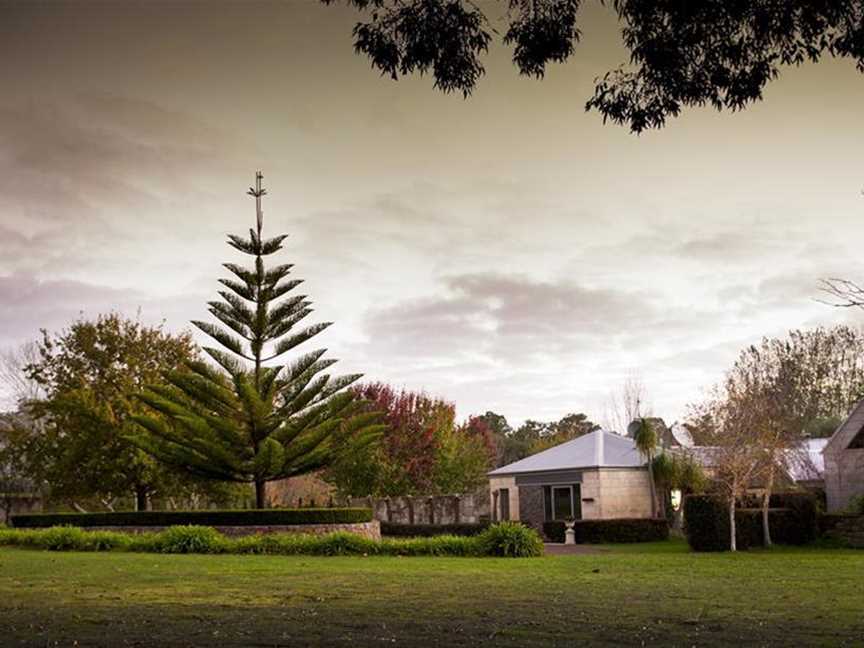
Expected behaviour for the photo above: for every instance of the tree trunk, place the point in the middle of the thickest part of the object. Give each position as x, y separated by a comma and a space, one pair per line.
260, 494
766, 502
732, 545
653, 488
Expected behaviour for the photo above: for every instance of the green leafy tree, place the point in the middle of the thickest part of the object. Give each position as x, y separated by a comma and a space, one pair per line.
73, 436
247, 420
422, 452
567, 428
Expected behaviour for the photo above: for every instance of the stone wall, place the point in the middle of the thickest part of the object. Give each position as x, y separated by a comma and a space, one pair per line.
370, 530
624, 493
495, 485
436, 509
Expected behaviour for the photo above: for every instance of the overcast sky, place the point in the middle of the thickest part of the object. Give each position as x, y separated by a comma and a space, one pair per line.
509, 252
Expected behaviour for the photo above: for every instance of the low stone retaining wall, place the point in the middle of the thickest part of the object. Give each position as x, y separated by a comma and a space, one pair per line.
370, 530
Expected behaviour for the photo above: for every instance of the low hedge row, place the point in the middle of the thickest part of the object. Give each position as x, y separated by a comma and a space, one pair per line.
610, 531
431, 530
505, 539
247, 517
706, 522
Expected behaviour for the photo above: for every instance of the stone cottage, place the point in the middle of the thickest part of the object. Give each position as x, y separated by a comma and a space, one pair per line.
600, 475
844, 461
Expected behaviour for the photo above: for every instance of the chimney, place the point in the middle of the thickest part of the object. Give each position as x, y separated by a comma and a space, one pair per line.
599, 450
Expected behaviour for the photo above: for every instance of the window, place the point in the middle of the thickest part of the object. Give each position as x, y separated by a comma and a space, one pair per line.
562, 502
504, 501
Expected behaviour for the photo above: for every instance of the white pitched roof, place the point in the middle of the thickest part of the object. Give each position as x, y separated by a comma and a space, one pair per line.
592, 450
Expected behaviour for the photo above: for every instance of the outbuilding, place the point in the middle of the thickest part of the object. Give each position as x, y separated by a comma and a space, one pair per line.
844, 461
600, 475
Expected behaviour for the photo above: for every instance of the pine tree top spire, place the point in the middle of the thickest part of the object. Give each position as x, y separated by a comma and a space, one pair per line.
258, 191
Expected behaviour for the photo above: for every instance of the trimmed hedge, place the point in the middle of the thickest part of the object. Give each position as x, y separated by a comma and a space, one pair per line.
431, 530
706, 522
505, 539
610, 531
242, 517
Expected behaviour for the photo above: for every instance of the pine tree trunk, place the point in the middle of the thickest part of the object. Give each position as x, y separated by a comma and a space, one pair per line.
260, 494
766, 502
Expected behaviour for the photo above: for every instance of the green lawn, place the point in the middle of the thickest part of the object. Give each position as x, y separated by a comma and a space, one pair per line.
655, 594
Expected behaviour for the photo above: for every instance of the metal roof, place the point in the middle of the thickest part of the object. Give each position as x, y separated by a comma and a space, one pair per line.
598, 449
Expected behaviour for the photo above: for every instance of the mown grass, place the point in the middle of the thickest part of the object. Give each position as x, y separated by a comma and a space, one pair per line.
658, 594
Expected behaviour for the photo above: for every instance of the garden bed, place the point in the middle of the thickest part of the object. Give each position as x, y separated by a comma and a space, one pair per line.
506, 539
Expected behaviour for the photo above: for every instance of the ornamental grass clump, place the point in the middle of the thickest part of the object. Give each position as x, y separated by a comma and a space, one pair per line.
504, 539
510, 540
190, 539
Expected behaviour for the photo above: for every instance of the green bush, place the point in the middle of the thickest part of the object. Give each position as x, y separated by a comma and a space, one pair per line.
504, 539
856, 505
431, 546
706, 522
610, 531
429, 530
509, 539
189, 539
251, 517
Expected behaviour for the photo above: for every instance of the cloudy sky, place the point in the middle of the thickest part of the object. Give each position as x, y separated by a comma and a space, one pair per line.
509, 252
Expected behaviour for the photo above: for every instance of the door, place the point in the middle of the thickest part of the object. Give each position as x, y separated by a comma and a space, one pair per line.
504, 502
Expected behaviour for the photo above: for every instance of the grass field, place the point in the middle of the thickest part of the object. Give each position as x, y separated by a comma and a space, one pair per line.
638, 595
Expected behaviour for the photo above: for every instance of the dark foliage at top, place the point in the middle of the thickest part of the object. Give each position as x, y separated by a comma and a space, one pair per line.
682, 54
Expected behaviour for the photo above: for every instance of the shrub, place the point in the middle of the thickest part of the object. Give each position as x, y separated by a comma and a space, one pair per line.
189, 539
509, 539
429, 530
801, 525
343, 544
506, 539
856, 505
252, 517
706, 522
61, 539
610, 531
431, 546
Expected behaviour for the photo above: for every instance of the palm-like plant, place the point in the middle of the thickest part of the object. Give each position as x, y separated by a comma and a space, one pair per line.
245, 420
645, 439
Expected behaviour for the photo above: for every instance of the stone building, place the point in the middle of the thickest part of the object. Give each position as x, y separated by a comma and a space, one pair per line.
844, 461
600, 475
